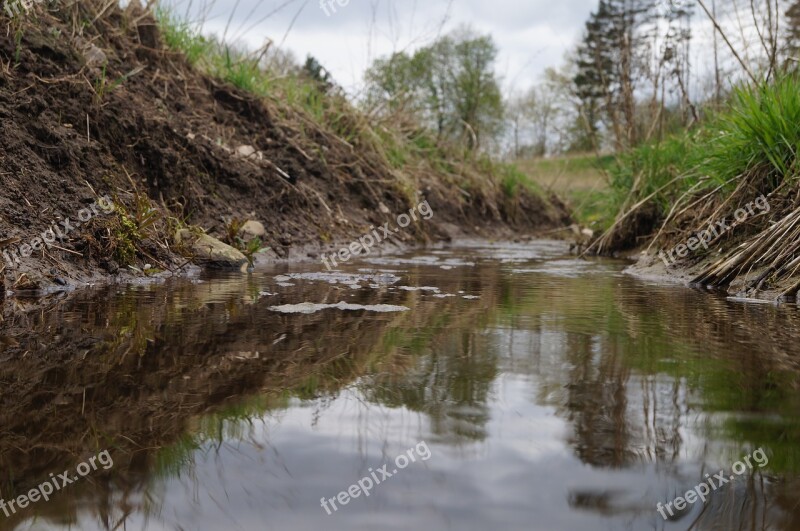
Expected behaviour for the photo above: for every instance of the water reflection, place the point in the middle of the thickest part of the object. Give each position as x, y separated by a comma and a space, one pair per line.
565, 396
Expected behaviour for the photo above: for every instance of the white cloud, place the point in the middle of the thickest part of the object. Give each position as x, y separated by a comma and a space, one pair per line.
531, 35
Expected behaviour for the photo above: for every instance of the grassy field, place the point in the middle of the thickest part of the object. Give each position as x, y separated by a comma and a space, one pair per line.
580, 180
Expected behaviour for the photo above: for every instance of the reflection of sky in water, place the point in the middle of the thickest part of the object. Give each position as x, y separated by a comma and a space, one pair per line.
277, 477
564, 396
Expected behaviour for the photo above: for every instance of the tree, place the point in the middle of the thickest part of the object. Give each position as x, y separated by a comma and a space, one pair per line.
595, 70
478, 101
792, 32
532, 116
450, 86
609, 60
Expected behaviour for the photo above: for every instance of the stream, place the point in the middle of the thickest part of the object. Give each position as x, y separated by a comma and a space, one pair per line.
480, 386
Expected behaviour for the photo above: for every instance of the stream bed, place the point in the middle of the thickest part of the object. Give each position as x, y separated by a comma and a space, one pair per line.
483, 386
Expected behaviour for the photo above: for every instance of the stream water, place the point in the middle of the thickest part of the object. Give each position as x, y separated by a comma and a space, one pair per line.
524, 389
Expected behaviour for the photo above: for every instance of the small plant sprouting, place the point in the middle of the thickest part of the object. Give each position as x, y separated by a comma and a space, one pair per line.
232, 229
18, 44
134, 226
251, 248
232, 237
102, 87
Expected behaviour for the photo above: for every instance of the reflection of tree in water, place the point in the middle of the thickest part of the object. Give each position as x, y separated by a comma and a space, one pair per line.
450, 384
676, 363
597, 404
619, 417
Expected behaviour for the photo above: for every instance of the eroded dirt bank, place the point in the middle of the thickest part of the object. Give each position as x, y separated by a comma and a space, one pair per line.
104, 109
745, 244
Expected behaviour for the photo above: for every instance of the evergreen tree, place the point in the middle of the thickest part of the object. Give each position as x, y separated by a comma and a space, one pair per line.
792, 32
608, 58
595, 64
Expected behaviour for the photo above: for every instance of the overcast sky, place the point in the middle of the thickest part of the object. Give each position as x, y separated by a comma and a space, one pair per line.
531, 34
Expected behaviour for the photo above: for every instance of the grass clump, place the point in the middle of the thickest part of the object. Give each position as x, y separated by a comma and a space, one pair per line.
132, 227
513, 181
749, 147
218, 59
180, 35
650, 169
760, 130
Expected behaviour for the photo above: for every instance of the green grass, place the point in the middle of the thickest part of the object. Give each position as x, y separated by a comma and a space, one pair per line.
761, 130
220, 60
245, 70
650, 168
757, 133
513, 180
580, 180
181, 36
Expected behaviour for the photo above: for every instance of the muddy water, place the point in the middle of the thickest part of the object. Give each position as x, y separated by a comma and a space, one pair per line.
531, 389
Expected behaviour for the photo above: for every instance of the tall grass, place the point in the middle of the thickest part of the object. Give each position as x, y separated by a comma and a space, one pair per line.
761, 130
758, 131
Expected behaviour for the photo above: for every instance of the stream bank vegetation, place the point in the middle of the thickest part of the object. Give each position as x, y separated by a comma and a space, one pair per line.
699, 106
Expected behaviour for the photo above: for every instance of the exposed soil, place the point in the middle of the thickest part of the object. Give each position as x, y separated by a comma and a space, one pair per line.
167, 137
751, 252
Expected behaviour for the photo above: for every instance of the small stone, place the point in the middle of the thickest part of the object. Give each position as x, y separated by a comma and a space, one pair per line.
252, 230
112, 267
247, 152
148, 267
285, 239
209, 251
94, 56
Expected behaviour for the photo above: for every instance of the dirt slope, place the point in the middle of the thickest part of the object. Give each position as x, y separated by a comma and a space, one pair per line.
102, 108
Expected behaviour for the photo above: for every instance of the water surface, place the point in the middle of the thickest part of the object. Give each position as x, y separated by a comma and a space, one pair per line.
552, 393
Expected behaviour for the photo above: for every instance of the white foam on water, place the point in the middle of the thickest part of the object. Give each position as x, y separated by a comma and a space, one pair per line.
309, 308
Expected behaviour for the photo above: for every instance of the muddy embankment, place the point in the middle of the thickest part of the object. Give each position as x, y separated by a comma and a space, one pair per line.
745, 244
102, 108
